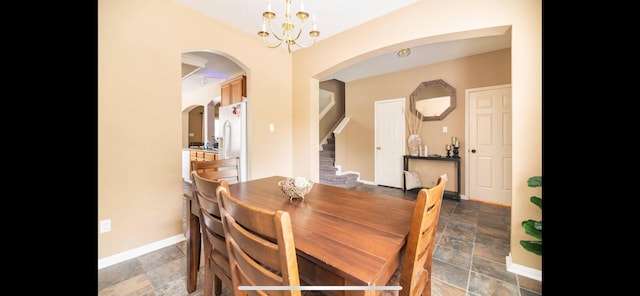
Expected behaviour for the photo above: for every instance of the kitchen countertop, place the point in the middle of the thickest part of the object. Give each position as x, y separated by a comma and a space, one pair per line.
201, 149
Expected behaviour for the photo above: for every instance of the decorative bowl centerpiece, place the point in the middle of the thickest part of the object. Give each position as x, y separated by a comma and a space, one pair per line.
296, 187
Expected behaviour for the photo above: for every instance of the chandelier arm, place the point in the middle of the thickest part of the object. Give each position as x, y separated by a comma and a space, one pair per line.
269, 45
273, 32
288, 28
299, 31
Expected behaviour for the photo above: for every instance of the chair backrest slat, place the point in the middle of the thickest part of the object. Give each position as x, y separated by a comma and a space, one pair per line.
415, 277
260, 245
218, 169
217, 268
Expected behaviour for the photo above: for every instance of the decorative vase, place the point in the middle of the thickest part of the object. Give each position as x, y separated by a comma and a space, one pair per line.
414, 141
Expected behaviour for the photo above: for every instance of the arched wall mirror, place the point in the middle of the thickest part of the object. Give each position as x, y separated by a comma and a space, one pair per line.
433, 100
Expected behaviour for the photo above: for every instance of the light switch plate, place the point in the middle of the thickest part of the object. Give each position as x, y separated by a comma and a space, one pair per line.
444, 130
105, 226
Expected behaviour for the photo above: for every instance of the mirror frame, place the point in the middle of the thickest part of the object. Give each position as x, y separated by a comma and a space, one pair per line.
438, 82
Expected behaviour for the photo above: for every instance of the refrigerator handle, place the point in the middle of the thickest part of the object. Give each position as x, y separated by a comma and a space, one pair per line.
227, 138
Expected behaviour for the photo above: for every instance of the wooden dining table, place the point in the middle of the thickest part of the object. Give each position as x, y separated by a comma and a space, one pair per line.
343, 237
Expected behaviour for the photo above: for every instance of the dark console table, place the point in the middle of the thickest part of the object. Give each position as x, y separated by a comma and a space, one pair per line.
448, 194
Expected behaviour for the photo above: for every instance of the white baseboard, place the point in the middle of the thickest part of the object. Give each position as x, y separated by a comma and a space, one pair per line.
368, 182
529, 272
126, 255
339, 173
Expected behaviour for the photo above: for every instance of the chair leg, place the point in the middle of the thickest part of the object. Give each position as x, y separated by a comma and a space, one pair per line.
217, 289
193, 249
208, 279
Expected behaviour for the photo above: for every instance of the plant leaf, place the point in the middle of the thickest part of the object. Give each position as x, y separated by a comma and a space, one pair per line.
535, 181
536, 201
530, 228
532, 246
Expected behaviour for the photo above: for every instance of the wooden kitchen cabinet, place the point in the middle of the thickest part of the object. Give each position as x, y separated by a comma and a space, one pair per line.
225, 94
203, 155
238, 89
195, 155
232, 91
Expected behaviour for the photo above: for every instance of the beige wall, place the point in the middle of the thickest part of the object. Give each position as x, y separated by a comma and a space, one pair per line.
140, 118
196, 119
328, 122
139, 54
354, 150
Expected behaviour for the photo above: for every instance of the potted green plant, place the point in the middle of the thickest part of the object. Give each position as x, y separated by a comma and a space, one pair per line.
533, 227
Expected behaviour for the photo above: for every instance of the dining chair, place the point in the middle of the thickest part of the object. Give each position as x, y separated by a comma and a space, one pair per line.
414, 275
260, 245
216, 259
218, 169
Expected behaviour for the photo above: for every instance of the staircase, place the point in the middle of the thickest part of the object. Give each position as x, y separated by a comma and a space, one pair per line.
328, 170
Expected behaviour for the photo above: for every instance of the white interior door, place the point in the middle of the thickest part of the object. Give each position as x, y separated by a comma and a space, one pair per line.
389, 141
489, 149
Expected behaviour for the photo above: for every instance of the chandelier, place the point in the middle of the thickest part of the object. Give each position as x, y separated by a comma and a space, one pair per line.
288, 36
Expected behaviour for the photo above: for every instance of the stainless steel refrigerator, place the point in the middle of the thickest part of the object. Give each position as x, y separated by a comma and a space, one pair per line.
233, 134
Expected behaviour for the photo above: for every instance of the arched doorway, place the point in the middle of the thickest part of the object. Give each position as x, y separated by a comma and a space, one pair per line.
203, 73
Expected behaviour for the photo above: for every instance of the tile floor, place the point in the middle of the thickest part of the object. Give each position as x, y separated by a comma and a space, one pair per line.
469, 259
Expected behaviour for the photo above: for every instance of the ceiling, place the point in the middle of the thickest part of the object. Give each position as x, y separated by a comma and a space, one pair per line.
200, 69
246, 16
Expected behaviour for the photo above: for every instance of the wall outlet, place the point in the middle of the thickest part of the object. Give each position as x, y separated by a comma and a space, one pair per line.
105, 226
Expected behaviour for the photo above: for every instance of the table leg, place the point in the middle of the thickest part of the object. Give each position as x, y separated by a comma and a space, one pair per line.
193, 247
405, 166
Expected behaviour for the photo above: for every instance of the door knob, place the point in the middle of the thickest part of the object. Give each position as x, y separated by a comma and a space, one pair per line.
378, 148
473, 150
